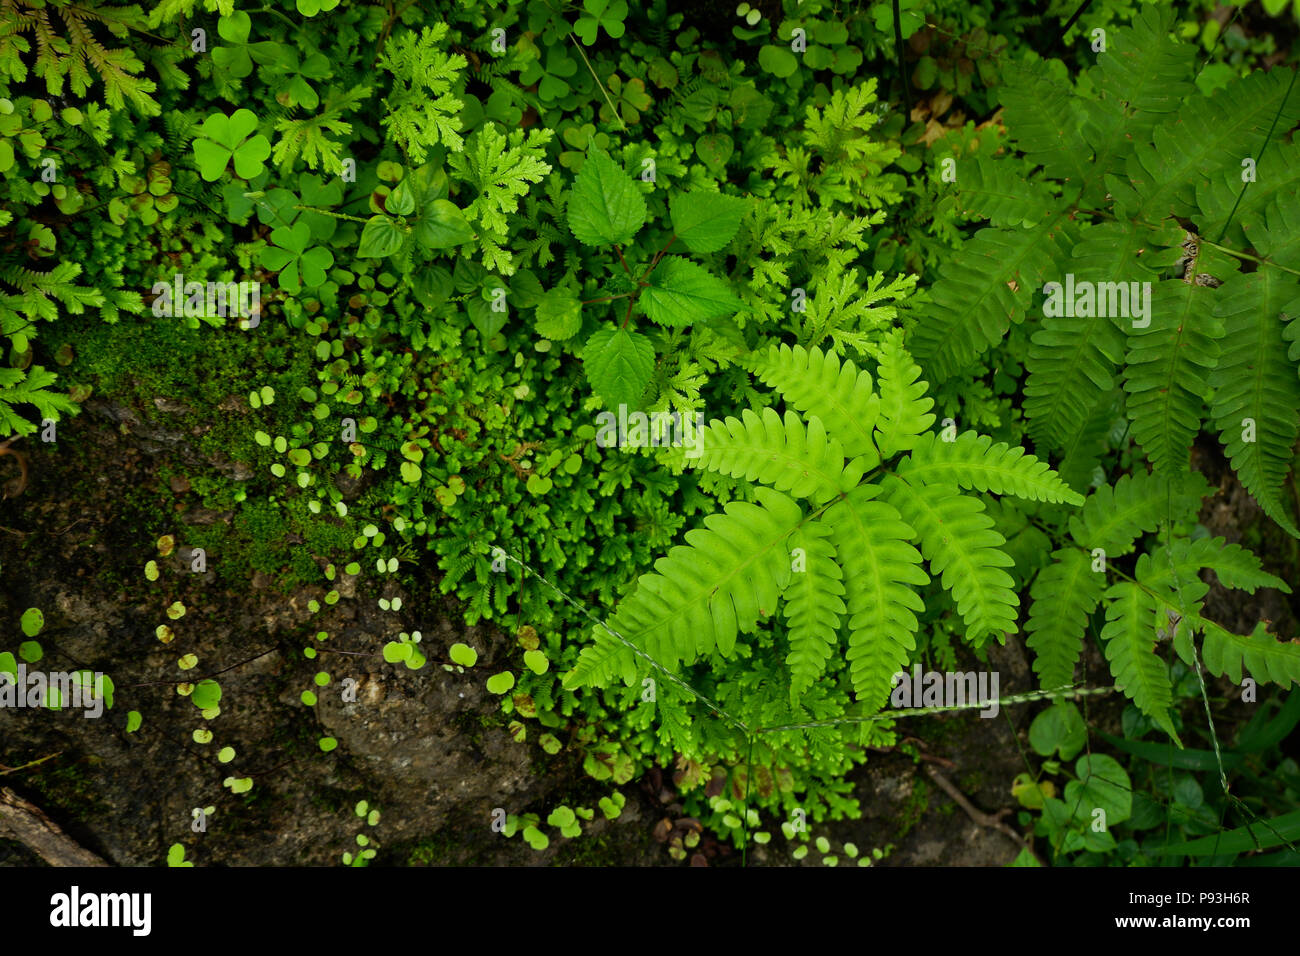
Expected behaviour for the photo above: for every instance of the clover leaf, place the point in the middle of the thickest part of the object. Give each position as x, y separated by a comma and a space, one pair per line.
295, 258
309, 8
609, 14
224, 138
551, 80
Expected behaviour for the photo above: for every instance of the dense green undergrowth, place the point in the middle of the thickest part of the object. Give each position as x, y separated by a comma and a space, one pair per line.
732, 334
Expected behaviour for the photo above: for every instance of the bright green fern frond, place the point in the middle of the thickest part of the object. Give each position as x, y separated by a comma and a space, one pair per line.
904, 406
724, 580
1065, 594
784, 454
29, 388
817, 384
814, 605
972, 461
1256, 390
958, 540
1114, 517
1167, 376
1130, 648
882, 571
1263, 656
1234, 566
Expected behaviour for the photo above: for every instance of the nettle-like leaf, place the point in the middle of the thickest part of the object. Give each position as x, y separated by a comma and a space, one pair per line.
681, 292
619, 364
703, 221
559, 315
845, 549
605, 207
225, 138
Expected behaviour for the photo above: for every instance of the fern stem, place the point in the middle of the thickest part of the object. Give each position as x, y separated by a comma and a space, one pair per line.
1246, 255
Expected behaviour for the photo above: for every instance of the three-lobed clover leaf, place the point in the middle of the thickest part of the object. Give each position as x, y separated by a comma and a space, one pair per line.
608, 14
236, 60
294, 256
551, 79
309, 8
225, 138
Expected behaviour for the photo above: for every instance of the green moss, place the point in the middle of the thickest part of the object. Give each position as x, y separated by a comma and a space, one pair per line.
913, 808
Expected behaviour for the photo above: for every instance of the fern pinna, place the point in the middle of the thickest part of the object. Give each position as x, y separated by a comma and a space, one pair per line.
1161, 599
855, 497
1144, 180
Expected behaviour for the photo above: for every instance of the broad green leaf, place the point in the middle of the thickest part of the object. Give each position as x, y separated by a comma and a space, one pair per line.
681, 292
380, 237
442, 226
619, 364
559, 315
605, 207
1102, 784
705, 222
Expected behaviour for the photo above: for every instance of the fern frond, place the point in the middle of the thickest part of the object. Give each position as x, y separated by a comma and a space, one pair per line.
1130, 648
981, 290
1167, 375
998, 191
881, 572
801, 461
1258, 655
972, 461
1044, 120
904, 407
814, 606
1161, 177
1114, 517
31, 387
1065, 594
817, 384
1256, 390
1072, 361
724, 580
1142, 77
1275, 231
1224, 195
1234, 566
958, 540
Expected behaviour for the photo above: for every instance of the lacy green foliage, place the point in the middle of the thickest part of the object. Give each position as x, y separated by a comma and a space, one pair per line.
67, 50
862, 518
434, 225
421, 111
1147, 150
500, 168
30, 387
1161, 599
